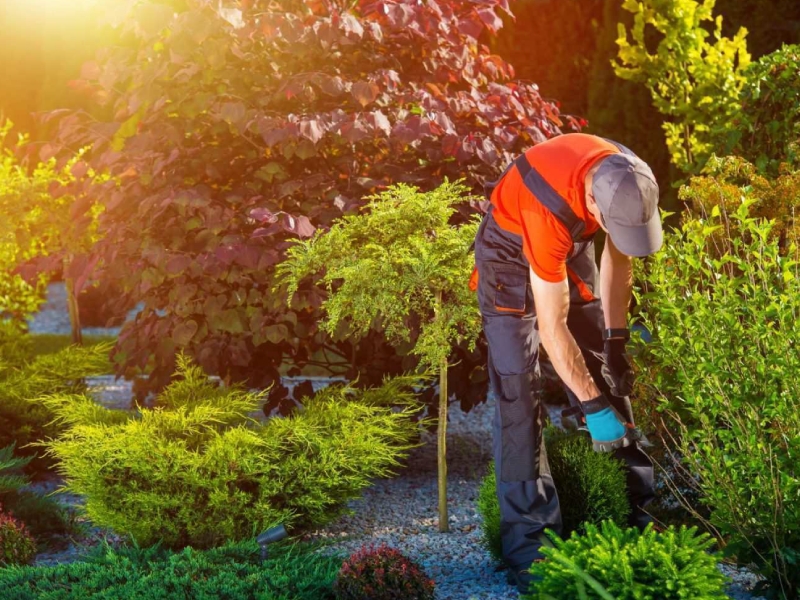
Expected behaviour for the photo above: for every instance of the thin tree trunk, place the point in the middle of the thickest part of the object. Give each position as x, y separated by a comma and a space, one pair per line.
444, 525
72, 306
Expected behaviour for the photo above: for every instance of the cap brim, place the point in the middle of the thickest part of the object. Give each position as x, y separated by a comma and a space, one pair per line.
643, 240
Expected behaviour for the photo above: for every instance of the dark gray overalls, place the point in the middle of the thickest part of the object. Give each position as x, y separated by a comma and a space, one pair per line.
525, 489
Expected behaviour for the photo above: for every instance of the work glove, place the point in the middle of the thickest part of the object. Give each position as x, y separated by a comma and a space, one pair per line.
617, 370
605, 425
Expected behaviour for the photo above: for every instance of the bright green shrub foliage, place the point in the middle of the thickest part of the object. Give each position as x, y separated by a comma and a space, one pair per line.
382, 573
24, 418
767, 132
694, 83
723, 305
199, 471
399, 264
612, 563
591, 488
233, 572
17, 547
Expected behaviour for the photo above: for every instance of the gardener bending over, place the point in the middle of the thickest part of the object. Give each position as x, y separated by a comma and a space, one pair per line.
537, 280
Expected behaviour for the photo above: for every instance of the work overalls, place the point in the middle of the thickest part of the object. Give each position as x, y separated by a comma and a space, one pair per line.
525, 489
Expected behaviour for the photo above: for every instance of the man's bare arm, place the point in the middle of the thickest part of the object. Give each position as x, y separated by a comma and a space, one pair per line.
552, 307
616, 282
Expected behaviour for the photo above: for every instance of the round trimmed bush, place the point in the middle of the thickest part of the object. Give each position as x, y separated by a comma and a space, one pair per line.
17, 547
630, 565
382, 573
591, 488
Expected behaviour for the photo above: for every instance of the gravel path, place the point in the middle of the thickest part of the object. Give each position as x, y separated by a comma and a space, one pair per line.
400, 511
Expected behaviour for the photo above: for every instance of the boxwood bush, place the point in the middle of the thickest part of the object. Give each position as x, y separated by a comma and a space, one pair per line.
198, 470
591, 488
623, 564
232, 572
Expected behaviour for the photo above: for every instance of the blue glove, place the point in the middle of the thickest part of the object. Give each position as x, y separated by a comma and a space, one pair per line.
604, 424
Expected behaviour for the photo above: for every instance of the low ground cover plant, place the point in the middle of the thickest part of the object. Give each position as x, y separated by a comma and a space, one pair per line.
722, 301
382, 573
199, 470
234, 571
591, 488
623, 564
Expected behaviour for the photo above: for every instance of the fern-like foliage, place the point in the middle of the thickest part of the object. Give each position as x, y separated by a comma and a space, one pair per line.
197, 470
399, 266
624, 564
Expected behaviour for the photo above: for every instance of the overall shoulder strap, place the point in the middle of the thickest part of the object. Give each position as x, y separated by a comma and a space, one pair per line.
621, 148
550, 198
489, 186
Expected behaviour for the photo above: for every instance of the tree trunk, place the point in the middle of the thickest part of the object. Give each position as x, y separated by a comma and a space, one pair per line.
72, 305
444, 525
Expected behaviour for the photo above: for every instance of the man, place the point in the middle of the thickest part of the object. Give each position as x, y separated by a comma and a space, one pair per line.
537, 281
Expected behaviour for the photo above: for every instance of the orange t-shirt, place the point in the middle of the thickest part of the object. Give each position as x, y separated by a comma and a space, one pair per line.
563, 162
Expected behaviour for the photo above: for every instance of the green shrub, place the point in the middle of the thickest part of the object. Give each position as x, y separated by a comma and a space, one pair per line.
489, 510
198, 470
11, 479
233, 572
24, 418
695, 83
726, 181
17, 547
591, 488
612, 563
382, 573
43, 517
16, 347
723, 304
767, 131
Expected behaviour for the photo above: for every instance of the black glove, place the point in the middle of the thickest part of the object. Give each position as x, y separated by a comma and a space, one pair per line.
617, 370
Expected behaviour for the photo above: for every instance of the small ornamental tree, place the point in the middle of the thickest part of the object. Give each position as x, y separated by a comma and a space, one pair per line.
694, 83
230, 138
401, 267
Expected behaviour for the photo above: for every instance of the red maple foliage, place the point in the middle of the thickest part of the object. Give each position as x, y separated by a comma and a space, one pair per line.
230, 139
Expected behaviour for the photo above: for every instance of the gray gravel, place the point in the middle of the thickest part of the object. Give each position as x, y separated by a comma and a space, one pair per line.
400, 511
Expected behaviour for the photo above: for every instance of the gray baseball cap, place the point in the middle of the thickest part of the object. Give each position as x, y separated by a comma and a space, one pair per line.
626, 193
